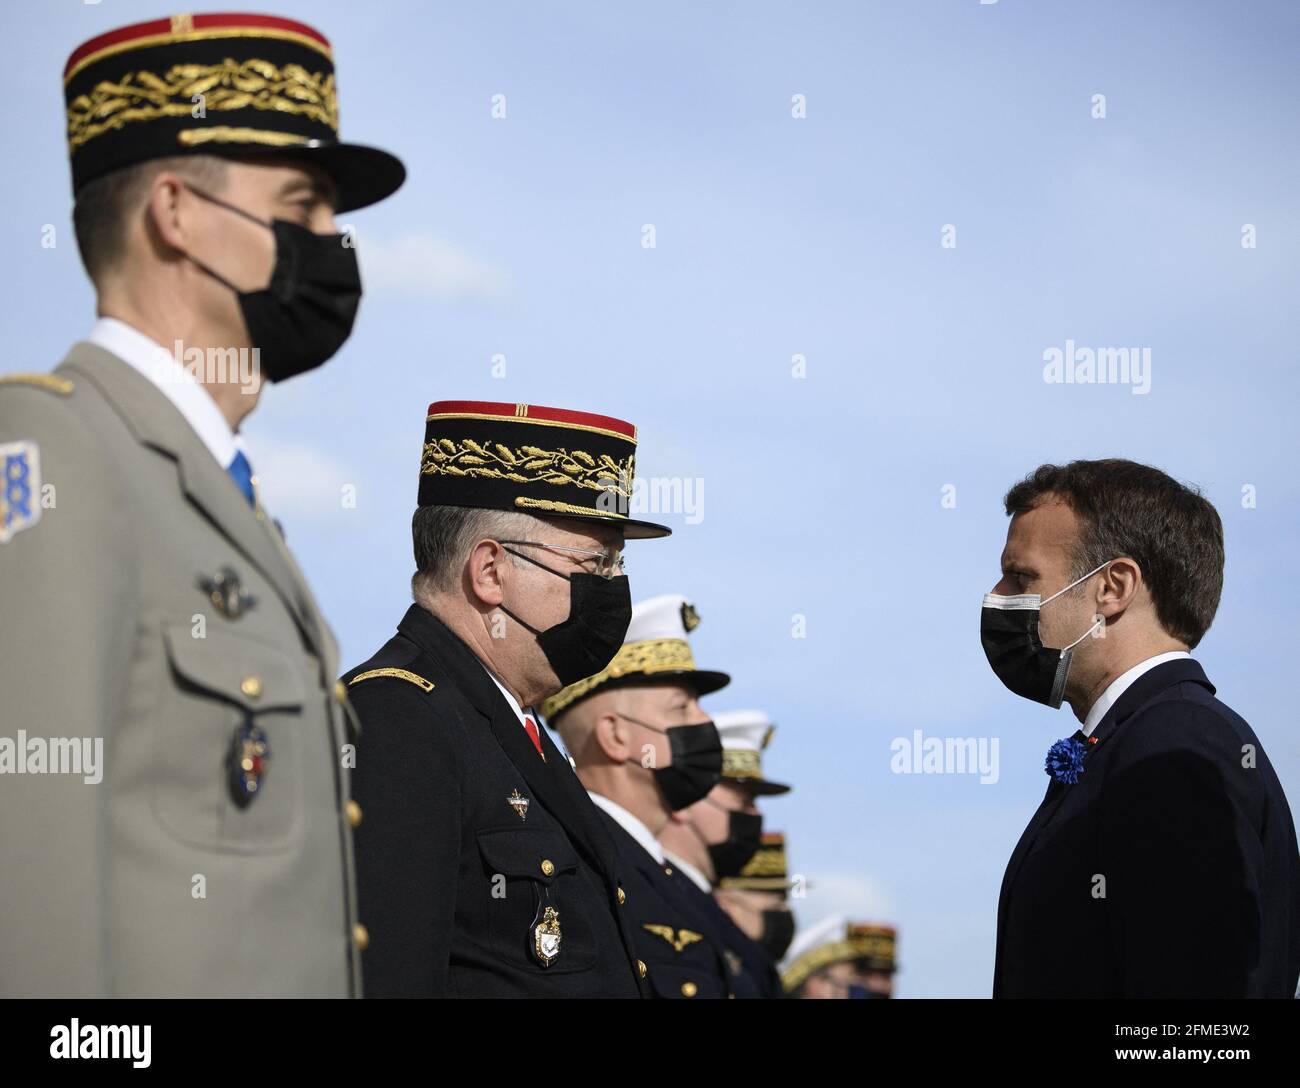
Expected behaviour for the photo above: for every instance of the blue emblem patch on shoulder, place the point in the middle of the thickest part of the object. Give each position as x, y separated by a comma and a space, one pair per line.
20, 490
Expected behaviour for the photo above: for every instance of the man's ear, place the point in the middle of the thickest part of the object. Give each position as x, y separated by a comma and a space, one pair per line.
611, 734
483, 572
168, 211
1119, 587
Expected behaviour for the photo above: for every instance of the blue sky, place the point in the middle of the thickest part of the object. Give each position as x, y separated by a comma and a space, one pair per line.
819, 237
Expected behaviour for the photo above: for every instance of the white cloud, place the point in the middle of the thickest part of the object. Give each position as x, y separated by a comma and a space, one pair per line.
428, 267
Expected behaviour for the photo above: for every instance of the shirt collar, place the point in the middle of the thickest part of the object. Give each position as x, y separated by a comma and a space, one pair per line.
692, 874
1121, 684
632, 826
177, 384
514, 703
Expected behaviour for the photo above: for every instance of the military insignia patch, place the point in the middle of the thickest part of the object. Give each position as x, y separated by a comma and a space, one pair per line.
679, 939
546, 937
249, 755
228, 597
690, 618
20, 491
519, 803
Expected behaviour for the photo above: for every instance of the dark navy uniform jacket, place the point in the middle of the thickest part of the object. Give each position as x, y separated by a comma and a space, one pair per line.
753, 974
453, 878
671, 938
1170, 867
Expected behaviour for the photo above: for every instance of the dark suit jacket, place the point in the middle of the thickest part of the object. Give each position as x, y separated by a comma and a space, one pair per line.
1180, 821
669, 934
451, 880
753, 974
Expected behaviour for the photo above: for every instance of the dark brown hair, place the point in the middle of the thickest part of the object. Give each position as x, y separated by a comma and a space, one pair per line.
1170, 530
100, 214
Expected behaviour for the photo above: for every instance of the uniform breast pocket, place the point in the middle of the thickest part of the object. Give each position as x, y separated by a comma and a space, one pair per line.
536, 906
230, 719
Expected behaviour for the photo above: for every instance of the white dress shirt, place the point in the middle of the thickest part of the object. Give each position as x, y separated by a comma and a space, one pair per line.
693, 874
631, 825
514, 703
176, 383
1121, 684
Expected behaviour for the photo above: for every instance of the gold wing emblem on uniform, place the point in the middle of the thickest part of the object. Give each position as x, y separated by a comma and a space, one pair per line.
679, 939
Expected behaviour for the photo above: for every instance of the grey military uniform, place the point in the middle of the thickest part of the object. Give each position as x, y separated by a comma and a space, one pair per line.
155, 881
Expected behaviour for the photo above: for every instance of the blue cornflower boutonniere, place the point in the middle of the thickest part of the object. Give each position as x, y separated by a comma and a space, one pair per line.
1065, 760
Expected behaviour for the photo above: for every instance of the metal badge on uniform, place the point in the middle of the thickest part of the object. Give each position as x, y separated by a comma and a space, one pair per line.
228, 597
20, 490
519, 803
546, 937
678, 938
249, 755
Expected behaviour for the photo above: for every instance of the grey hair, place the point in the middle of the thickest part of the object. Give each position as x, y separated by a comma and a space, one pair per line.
444, 535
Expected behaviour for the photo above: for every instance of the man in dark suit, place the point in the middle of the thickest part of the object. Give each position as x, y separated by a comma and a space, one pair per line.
644, 748
483, 868
1164, 820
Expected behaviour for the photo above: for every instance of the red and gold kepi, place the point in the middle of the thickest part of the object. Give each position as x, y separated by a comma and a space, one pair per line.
215, 84
549, 462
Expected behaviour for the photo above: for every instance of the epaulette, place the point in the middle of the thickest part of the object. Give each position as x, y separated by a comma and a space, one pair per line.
50, 382
398, 674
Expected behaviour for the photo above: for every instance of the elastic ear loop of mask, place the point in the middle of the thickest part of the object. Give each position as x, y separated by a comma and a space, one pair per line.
1101, 620
1067, 652
1077, 581
231, 208
527, 559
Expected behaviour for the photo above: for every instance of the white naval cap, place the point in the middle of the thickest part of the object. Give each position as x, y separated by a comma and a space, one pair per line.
815, 947
745, 733
656, 646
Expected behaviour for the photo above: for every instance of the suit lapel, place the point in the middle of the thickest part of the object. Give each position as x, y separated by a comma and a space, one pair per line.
1052, 799
1049, 804
1145, 688
156, 422
551, 780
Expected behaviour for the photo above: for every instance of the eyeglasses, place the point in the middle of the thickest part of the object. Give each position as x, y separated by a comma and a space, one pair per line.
609, 561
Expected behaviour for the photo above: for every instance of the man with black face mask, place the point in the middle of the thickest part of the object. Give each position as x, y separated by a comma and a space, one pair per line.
643, 748
484, 869
757, 898
154, 607
1163, 818
717, 837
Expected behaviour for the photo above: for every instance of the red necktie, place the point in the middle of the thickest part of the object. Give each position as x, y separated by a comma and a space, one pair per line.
530, 727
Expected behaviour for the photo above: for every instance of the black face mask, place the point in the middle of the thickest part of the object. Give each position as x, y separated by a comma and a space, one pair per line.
696, 765
303, 316
1009, 634
778, 933
599, 611
744, 836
